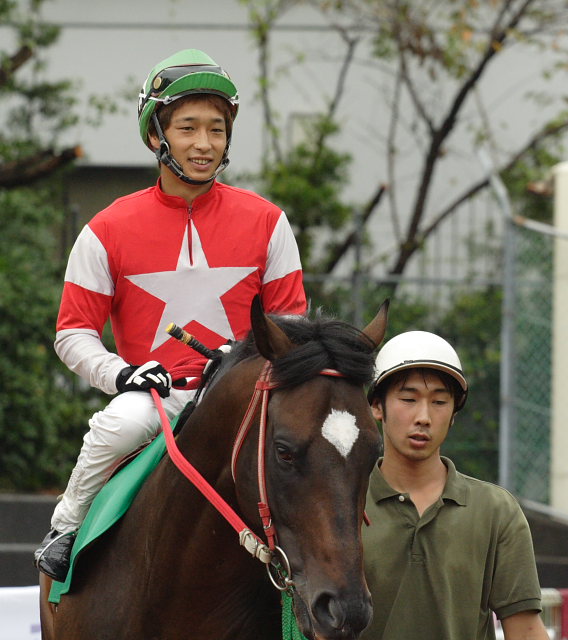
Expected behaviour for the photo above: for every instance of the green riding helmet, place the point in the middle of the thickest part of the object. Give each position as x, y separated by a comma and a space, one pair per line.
185, 72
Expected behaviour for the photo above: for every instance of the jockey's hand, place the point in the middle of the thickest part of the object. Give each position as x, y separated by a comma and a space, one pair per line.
151, 375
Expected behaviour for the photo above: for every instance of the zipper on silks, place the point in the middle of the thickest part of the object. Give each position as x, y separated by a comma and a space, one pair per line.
189, 239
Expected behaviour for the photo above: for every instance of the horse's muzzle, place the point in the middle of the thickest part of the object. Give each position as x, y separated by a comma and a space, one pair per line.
336, 617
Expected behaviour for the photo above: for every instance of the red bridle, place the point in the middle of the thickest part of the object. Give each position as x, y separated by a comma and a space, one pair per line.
260, 398
247, 538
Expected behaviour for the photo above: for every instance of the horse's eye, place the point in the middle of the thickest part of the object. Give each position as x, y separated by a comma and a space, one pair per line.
284, 454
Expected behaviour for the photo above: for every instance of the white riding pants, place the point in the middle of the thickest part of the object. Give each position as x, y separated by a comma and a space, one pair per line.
128, 420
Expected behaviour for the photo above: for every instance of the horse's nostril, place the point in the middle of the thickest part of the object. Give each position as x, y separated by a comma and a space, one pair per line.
341, 617
337, 613
328, 611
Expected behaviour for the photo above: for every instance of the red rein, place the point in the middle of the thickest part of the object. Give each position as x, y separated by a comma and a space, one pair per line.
193, 475
260, 396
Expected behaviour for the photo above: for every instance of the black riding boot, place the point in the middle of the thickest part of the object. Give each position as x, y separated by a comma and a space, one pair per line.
54, 554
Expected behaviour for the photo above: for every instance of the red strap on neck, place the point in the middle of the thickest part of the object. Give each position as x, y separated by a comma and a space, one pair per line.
191, 473
259, 398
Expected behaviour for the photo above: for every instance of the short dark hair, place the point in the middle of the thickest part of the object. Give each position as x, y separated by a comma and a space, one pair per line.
166, 112
399, 378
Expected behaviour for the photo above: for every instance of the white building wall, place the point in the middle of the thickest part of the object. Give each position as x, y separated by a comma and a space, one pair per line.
110, 46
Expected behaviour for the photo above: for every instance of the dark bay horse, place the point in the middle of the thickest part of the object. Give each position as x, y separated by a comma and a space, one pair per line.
172, 567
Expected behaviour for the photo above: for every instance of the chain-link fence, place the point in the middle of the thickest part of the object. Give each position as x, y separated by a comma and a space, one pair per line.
465, 311
530, 363
479, 315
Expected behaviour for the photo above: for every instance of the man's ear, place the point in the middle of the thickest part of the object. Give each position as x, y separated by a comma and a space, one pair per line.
154, 141
377, 410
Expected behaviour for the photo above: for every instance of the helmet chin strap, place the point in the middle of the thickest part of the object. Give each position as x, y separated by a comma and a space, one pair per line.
164, 156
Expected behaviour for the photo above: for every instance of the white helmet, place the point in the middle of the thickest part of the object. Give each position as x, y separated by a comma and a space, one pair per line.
419, 349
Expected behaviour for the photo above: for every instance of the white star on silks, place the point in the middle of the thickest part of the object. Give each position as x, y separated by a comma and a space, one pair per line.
180, 289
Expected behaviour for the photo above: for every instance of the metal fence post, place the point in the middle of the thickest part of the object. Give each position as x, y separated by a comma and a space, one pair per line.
506, 410
559, 439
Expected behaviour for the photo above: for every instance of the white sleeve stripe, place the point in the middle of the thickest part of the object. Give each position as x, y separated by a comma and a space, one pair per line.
66, 332
84, 353
88, 264
283, 255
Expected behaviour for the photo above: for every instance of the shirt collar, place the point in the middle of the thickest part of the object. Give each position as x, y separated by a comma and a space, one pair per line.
455, 488
178, 202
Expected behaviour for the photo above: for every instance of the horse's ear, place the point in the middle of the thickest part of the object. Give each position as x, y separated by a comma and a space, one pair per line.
271, 341
376, 329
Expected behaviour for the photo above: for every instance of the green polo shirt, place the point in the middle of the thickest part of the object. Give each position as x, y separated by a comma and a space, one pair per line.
440, 576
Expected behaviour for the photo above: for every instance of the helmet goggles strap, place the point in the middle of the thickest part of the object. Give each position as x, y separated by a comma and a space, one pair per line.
144, 98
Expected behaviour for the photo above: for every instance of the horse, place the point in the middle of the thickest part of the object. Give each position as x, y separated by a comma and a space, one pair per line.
172, 567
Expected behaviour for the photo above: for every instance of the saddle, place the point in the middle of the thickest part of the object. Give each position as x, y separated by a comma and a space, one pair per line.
116, 496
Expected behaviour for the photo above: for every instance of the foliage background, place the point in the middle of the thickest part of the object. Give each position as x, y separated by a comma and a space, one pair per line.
43, 409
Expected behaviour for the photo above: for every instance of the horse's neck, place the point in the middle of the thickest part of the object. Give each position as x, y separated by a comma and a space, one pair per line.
207, 438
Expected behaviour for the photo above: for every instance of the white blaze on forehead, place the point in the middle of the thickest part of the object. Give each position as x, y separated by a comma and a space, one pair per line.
341, 430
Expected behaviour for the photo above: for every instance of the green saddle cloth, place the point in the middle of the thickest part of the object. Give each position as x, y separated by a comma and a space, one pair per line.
111, 503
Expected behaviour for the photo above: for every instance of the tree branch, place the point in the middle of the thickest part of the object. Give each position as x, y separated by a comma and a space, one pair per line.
548, 131
339, 86
391, 153
33, 168
414, 94
262, 28
14, 62
263, 55
497, 36
336, 253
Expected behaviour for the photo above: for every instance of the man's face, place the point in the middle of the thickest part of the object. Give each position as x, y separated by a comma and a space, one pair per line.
197, 136
417, 416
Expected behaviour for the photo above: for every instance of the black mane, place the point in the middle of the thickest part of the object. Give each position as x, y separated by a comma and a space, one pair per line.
323, 343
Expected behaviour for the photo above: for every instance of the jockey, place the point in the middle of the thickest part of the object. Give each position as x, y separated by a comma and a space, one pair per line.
189, 250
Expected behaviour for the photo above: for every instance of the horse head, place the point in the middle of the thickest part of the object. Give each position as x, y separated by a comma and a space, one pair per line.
320, 446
